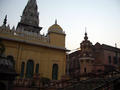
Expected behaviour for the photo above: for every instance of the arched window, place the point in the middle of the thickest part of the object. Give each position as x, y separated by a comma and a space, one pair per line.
30, 69
55, 72
22, 69
37, 69
11, 58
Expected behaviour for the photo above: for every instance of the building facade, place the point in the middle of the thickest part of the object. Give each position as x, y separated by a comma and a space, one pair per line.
93, 59
32, 52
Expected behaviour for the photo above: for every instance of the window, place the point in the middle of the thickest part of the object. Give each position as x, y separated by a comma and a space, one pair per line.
30, 69
109, 60
85, 69
55, 72
115, 60
22, 69
37, 69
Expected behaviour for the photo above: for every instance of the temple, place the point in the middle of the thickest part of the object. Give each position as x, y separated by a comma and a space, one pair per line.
32, 52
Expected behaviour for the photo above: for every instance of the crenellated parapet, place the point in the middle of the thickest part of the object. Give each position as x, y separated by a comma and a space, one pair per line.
6, 32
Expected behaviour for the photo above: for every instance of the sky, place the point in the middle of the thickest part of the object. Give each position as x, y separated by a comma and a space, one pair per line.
100, 17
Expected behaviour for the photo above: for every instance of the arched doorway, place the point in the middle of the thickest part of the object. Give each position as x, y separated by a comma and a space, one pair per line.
55, 72
30, 69
2, 86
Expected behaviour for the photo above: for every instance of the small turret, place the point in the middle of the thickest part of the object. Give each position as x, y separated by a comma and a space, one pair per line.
13, 28
8, 27
5, 21
56, 35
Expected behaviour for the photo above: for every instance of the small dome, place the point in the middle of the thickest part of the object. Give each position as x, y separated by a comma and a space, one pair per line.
55, 28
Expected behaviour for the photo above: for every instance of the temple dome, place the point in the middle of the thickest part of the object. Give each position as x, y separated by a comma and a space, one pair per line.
55, 28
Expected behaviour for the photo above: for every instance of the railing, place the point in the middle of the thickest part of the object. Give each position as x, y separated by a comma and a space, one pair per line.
94, 83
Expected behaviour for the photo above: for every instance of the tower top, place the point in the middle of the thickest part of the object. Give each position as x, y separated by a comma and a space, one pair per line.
30, 14
30, 18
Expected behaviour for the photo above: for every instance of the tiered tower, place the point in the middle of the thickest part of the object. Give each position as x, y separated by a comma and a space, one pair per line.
86, 57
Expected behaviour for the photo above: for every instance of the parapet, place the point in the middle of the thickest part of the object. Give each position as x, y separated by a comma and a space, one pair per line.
6, 32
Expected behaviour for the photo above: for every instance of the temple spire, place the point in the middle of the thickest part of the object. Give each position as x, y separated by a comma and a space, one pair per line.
86, 38
30, 18
30, 14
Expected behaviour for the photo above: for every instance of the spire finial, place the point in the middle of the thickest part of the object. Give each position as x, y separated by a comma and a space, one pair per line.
55, 21
116, 45
85, 29
5, 20
85, 34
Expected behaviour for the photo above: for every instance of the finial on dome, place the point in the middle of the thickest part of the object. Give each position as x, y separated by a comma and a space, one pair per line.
55, 21
5, 21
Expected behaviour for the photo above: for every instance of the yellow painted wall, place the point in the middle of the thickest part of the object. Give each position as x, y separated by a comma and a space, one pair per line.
57, 39
44, 56
43, 50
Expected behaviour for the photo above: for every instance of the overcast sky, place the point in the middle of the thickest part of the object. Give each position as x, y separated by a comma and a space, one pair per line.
101, 17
